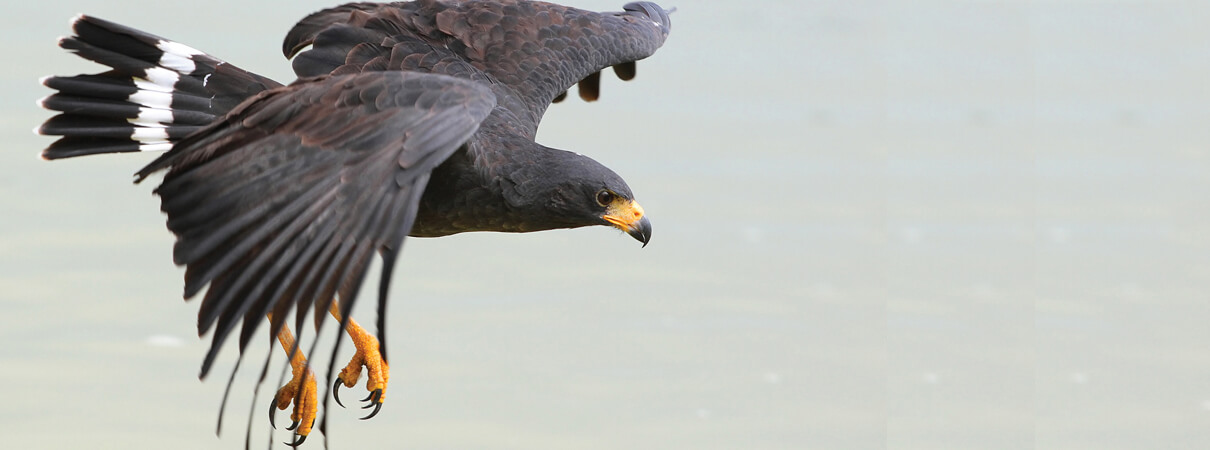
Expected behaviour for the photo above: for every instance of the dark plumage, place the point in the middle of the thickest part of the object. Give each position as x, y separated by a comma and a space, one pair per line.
413, 118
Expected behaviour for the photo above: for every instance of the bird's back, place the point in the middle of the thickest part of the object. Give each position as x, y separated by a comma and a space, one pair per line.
528, 52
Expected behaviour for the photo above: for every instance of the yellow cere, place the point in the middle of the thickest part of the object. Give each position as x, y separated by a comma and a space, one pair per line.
624, 214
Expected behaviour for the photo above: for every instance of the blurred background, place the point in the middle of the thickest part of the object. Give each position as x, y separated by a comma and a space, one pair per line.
919, 224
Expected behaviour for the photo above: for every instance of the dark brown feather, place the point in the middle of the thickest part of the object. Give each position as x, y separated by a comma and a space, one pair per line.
278, 177
412, 118
528, 52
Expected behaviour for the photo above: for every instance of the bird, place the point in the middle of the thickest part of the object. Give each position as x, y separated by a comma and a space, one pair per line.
406, 119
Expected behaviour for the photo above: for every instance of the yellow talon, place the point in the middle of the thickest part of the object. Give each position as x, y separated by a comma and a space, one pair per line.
367, 355
305, 404
301, 390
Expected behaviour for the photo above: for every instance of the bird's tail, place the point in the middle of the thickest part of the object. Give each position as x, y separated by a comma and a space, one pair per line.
157, 92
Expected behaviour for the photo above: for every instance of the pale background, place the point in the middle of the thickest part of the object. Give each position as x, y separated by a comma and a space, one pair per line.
878, 224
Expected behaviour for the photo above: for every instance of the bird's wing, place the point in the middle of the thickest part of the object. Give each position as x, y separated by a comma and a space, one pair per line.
529, 52
282, 204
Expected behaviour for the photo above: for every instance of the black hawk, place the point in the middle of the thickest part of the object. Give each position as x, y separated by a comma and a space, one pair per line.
407, 119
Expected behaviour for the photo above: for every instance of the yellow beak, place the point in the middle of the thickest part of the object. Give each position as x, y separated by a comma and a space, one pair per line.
628, 216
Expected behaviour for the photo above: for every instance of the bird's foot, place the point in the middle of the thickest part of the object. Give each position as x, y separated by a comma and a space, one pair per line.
377, 370
300, 391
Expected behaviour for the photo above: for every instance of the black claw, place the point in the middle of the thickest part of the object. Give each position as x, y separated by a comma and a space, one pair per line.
372, 398
377, 407
292, 426
336, 392
297, 442
272, 408
375, 400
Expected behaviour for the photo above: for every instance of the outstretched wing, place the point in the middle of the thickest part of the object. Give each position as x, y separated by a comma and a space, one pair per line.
282, 204
529, 52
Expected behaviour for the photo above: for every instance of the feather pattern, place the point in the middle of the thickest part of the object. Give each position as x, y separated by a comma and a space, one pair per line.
528, 52
254, 197
157, 92
409, 118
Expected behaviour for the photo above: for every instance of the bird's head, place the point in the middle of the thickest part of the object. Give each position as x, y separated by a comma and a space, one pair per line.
622, 212
569, 190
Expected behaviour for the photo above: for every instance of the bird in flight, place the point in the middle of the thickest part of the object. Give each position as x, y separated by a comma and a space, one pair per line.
406, 119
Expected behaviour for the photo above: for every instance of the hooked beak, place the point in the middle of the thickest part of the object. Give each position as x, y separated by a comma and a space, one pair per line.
642, 232
628, 216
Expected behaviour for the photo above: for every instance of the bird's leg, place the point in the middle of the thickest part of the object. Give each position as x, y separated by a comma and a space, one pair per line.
300, 390
368, 356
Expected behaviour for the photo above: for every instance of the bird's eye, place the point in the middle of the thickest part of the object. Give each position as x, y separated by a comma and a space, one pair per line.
604, 197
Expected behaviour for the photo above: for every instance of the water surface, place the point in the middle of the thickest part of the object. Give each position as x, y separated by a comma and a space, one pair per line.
930, 224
